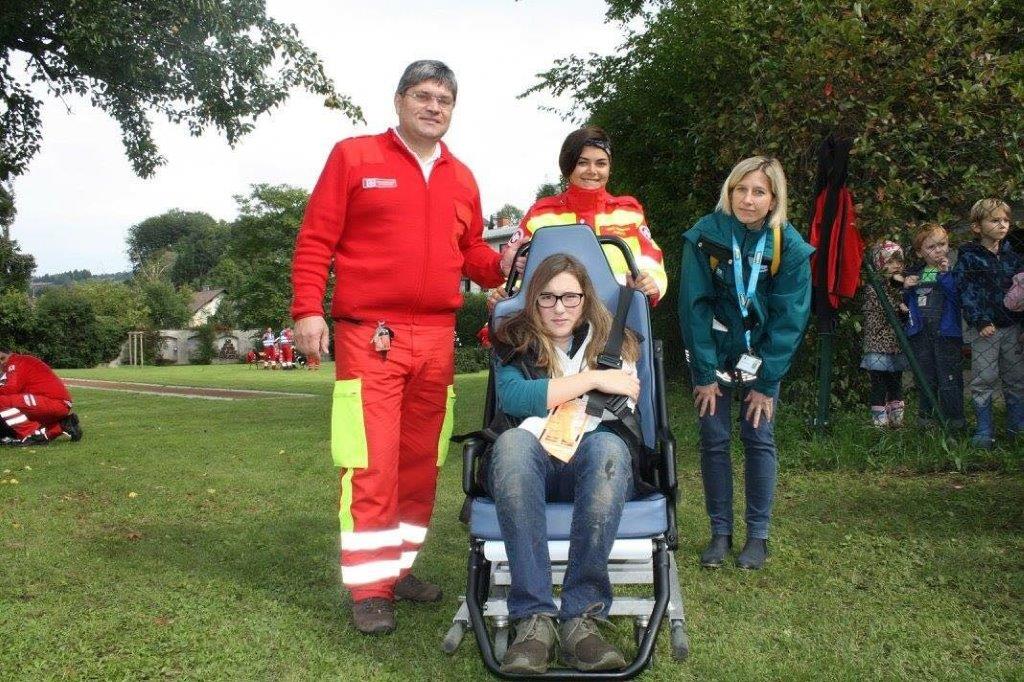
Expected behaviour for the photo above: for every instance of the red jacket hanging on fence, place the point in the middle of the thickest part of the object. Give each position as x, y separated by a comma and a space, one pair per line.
845, 250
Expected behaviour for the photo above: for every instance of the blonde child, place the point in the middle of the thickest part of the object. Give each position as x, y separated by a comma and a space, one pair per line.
984, 273
934, 327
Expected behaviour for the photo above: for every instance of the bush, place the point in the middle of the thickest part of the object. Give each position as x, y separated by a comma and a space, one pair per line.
471, 359
205, 351
470, 318
68, 332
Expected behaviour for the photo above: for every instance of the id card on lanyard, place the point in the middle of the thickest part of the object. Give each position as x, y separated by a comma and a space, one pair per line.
748, 362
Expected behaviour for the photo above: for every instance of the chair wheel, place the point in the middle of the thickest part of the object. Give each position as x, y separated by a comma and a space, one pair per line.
500, 642
453, 637
680, 641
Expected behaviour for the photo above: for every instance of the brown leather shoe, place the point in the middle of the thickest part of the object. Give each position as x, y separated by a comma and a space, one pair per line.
374, 616
411, 588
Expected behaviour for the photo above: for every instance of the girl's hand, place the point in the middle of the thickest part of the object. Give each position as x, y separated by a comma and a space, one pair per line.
943, 265
705, 398
616, 382
758, 405
904, 308
644, 283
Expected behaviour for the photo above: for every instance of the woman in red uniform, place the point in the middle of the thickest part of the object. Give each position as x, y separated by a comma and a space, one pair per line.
585, 161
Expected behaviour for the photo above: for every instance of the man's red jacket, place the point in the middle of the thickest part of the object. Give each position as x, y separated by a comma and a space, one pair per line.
28, 374
399, 244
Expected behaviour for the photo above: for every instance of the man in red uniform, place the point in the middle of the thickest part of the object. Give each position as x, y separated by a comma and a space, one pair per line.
35, 406
287, 352
400, 219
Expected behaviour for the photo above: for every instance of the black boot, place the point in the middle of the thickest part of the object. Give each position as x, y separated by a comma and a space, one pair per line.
714, 555
755, 551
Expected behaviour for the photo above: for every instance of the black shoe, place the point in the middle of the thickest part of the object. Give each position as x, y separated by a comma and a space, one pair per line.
71, 426
374, 616
714, 555
411, 588
755, 551
37, 439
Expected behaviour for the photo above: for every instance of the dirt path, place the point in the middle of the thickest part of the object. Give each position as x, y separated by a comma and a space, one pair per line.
179, 391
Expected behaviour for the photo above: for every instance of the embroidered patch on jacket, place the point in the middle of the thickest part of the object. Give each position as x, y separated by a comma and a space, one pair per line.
379, 183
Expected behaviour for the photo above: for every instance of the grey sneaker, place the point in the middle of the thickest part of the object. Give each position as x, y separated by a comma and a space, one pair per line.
585, 649
411, 588
374, 616
533, 649
755, 551
713, 555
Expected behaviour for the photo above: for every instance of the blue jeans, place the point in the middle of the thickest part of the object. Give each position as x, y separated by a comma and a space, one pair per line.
598, 480
760, 467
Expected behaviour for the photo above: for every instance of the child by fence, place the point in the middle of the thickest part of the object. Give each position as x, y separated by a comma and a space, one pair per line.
934, 328
984, 274
882, 357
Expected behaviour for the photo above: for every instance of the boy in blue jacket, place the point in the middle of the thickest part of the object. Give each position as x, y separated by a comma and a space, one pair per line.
983, 275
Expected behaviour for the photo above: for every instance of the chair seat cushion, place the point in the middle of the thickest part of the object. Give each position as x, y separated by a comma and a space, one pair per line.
641, 518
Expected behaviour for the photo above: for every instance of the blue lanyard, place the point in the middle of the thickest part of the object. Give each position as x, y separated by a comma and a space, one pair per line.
742, 296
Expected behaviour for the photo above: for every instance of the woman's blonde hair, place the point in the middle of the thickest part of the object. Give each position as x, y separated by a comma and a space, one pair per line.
776, 177
524, 331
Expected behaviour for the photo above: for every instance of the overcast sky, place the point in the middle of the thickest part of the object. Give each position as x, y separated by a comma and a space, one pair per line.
79, 196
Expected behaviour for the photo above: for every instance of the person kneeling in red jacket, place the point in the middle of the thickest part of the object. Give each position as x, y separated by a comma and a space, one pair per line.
35, 406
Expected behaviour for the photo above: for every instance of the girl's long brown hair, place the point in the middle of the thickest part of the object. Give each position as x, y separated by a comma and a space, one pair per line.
524, 331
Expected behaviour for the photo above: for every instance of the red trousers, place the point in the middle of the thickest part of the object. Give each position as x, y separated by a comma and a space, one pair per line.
269, 354
287, 353
390, 427
26, 413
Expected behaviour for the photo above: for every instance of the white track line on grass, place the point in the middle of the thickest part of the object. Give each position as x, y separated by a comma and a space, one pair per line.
208, 392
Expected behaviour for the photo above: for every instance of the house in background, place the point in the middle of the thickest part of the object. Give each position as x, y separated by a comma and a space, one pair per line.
204, 305
496, 237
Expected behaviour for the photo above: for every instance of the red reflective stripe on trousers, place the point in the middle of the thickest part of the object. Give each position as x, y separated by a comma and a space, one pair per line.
405, 396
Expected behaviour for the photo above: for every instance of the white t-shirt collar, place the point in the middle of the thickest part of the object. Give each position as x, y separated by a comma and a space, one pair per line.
425, 166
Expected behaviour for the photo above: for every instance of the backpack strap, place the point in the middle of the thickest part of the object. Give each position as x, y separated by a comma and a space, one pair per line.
717, 253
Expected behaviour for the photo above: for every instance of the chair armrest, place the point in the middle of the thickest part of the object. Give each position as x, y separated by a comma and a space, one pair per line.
472, 449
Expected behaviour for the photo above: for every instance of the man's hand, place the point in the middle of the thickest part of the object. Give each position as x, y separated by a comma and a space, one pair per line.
705, 398
758, 405
988, 330
493, 297
644, 283
311, 336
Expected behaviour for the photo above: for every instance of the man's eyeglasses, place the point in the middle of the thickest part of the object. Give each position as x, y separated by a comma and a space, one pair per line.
425, 98
570, 299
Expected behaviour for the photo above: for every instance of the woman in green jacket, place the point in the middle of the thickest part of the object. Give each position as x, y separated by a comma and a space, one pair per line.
744, 300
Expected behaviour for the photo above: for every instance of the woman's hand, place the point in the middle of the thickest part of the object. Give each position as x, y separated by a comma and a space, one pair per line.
644, 283
758, 405
705, 398
616, 382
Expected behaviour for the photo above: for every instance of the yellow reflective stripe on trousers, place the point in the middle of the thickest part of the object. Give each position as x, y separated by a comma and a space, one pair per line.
348, 429
345, 503
446, 427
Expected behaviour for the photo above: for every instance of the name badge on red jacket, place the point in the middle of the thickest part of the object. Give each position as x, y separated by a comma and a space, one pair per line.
380, 183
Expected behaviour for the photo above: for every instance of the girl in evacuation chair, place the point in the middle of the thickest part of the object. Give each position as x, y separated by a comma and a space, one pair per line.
882, 357
744, 300
552, 450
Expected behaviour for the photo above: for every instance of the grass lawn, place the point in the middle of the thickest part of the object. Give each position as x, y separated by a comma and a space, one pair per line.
197, 539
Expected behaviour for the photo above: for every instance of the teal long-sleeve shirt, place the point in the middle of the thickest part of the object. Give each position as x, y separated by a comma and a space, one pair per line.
519, 396
781, 304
